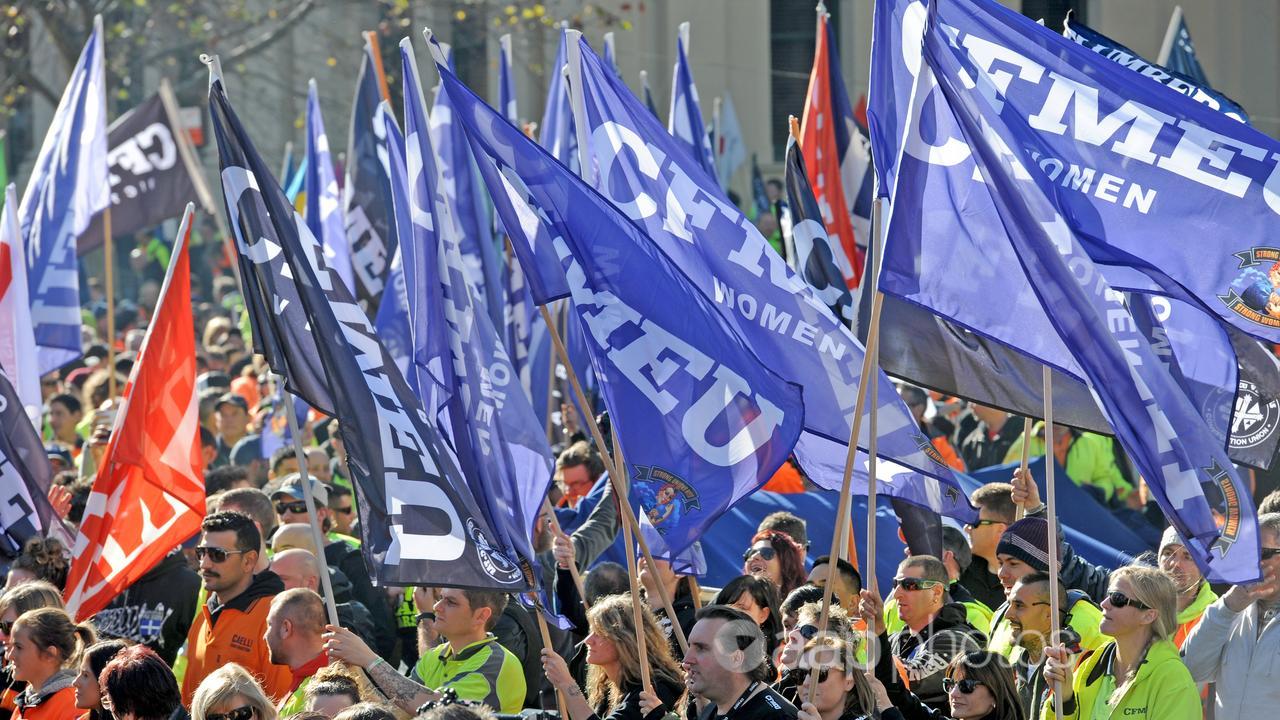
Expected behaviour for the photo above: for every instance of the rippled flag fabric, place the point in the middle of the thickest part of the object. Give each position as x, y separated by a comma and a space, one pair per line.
811, 252
684, 120
323, 199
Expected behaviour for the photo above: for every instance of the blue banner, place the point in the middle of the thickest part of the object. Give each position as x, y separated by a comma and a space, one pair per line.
418, 519
366, 194
556, 132
1181, 457
648, 94
646, 175
68, 186
324, 202
701, 420
1106, 47
392, 317
25, 476
684, 121
1179, 52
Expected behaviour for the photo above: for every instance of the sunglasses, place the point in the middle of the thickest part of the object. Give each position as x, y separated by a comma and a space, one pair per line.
298, 507
241, 713
1120, 600
913, 584
981, 523
967, 685
1268, 553
216, 554
808, 632
765, 552
823, 673
345, 510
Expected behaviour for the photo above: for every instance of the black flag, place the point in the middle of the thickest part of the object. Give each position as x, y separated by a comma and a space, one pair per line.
809, 248
25, 475
419, 522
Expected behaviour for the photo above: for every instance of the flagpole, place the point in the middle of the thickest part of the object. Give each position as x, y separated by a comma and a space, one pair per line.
873, 350
1051, 517
551, 386
372, 38
629, 551
628, 516
1170, 35
312, 519
540, 611
1020, 512
108, 253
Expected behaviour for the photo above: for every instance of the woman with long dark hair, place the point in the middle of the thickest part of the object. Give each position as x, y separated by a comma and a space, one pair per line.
758, 598
775, 557
613, 674
979, 686
88, 691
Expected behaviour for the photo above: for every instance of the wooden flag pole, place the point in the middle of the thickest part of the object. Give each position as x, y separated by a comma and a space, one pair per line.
573, 567
312, 519
628, 517
873, 351
629, 551
1020, 512
551, 386
109, 261
546, 643
1051, 517
371, 37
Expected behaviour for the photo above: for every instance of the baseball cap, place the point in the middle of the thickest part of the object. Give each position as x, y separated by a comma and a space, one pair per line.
291, 485
234, 399
246, 450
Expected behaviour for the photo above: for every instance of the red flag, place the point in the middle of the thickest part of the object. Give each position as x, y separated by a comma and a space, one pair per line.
822, 159
148, 496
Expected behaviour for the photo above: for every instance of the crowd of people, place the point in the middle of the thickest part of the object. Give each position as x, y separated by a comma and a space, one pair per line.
233, 624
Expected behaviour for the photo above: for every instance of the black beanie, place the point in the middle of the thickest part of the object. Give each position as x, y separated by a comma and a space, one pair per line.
1028, 541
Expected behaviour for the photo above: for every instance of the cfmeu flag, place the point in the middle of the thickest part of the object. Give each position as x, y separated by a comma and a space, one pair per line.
822, 154
418, 520
811, 252
324, 203
662, 189
1178, 52
684, 121
16, 335
702, 421
148, 495
556, 131
518, 311
1106, 47
1181, 457
68, 186
499, 442
366, 194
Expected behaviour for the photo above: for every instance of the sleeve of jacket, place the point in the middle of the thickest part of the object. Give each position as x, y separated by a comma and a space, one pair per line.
909, 707
598, 532
926, 668
174, 631
1203, 649
1080, 574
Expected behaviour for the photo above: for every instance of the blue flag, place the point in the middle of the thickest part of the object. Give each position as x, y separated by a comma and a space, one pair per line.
507, 81
518, 311
276, 432
701, 420
660, 187
324, 202
611, 54
1178, 53
467, 206
366, 194
810, 248
556, 132
684, 121
418, 519
759, 196
68, 186
648, 93
391, 319
1181, 457
1200, 92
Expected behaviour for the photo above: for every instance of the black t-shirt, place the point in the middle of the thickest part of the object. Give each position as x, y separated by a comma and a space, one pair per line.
628, 705
766, 704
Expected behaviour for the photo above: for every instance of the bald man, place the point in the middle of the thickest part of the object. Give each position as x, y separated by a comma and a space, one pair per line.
299, 568
293, 536
294, 626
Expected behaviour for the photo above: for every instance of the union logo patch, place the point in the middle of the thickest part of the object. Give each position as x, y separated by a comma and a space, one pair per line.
1255, 292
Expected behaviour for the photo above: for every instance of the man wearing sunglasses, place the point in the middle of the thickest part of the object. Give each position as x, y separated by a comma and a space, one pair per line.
1236, 646
230, 627
936, 631
1029, 615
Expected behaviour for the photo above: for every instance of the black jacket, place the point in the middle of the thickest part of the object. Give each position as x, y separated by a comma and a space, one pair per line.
924, 656
157, 610
978, 450
340, 555
982, 584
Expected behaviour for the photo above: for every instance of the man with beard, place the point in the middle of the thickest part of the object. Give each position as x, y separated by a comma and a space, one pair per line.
1030, 617
1194, 594
295, 624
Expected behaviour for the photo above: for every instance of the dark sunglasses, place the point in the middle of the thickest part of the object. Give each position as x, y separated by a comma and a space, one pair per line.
298, 507
823, 673
980, 523
765, 552
241, 713
1268, 553
216, 554
967, 685
913, 584
1120, 600
808, 632
6, 627
345, 510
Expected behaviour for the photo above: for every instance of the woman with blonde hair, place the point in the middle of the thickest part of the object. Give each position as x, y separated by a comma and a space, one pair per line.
1140, 671
613, 675
45, 649
842, 691
231, 693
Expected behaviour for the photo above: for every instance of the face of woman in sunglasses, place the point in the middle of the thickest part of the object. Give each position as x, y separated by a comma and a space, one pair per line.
1121, 614
834, 685
235, 708
968, 705
762, 561
6, 627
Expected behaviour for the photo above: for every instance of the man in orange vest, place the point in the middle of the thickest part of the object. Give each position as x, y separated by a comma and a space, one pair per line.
1194, 594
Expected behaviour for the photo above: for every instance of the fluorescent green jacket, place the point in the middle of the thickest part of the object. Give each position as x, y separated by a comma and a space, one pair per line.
1084, 617
483, 671
1162, 690
1090, 461
976, 613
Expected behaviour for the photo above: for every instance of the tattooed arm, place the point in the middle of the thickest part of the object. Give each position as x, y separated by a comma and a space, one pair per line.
407, 694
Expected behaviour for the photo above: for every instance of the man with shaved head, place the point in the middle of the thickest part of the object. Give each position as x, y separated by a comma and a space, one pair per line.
299, 568
294, 626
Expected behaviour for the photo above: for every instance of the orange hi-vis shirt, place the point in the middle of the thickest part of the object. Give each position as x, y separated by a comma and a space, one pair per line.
58, 706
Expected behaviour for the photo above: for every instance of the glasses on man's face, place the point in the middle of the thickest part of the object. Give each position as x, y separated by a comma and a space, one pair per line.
1268, 553
765, 552
984, 522
345, 510
808, 632
241, 713
1120, 600
967, 685
298, 507
911, 584
216, 554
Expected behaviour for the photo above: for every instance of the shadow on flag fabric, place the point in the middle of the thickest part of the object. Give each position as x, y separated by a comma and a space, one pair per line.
16, 334
366, 194
1199, 91
25, 476
701, 420
500, 444
811, 250
68, 186
1178, 53
148, 496
1182, 459
392, 318
419, 522
556, 131
684, 120
324, 202
682, 210
519, 312
822, 156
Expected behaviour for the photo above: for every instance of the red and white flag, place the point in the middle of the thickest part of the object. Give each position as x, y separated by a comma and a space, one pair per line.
148, 496
17, 337
822, 159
